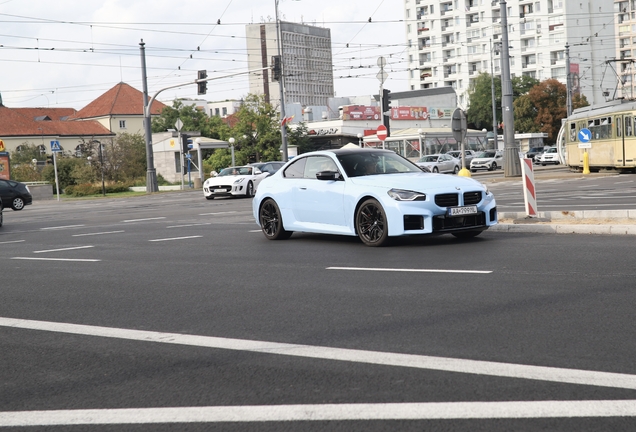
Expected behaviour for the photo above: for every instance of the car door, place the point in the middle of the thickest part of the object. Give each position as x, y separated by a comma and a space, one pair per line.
6, 192
319, 201
446, 163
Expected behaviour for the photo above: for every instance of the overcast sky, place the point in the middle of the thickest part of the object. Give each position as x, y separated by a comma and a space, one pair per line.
65, 53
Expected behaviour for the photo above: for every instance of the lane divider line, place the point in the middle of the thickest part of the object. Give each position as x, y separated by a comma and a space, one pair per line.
63, 249
175, 238
55, 259
410, 270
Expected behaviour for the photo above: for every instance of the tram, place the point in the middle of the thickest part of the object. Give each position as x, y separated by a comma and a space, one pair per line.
612, 138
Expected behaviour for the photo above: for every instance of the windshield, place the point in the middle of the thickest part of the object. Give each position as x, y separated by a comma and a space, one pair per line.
486, 154
236, 171
372, 163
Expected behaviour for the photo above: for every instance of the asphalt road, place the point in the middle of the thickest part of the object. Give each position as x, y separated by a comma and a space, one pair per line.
169, 312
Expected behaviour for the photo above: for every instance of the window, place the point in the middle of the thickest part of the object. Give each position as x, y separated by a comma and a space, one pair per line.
217, 112
296, 169
122, 124
316, 164
224, 110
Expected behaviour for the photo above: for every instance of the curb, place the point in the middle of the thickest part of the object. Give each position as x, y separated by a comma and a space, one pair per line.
566, 229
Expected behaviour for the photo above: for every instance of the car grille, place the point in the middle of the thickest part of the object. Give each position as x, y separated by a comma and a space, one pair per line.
447, 200
443, 223
472, 197
452, 200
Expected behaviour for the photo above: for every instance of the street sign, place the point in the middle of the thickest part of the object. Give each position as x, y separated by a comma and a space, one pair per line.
381, 132
458, 125
55, 146
382, 76
585, 136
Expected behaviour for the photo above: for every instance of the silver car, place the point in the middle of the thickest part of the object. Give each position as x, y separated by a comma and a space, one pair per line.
440, 163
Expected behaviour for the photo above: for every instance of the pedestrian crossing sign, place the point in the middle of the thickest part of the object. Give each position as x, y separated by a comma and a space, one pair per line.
55, 146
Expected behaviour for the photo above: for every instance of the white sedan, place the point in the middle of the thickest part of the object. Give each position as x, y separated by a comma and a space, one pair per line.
370, 193
234, 181
440, 163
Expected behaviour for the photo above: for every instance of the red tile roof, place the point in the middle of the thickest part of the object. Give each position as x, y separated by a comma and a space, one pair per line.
122, 99
22, 122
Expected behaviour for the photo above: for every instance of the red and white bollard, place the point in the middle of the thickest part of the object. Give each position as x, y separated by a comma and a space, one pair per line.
529, 191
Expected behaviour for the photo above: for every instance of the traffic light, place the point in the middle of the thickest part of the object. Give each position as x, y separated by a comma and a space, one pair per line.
276, 68
202, 86
386, 101
184, 143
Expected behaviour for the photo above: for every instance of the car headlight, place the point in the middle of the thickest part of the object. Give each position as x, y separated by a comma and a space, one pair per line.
237, 181
406, 195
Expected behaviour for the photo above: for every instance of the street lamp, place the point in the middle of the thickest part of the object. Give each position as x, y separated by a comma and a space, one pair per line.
281, 85
419, 136
232, 141
360, 139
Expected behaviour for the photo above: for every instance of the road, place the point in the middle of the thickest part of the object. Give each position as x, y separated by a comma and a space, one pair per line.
160, 310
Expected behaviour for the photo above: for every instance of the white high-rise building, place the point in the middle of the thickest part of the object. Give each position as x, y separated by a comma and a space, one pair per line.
307, 63
451, 41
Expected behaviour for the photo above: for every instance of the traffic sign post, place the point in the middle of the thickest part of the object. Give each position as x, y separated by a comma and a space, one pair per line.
459, 128
55, 149
585, 136
381, 133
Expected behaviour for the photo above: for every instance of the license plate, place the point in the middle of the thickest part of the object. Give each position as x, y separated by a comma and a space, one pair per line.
462, 211
219, 190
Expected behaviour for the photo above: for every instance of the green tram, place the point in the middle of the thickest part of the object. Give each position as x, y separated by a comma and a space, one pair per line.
613, 136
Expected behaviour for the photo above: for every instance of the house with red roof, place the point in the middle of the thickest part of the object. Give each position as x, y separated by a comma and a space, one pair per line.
118, 110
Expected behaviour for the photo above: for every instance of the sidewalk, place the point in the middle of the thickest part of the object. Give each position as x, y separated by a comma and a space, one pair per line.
608, 222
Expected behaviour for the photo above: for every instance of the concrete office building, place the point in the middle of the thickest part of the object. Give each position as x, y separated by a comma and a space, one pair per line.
307, 63
452, 41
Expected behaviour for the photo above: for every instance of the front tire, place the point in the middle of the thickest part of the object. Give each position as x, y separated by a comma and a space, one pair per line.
272, 221
371, 223
17, 203
456, 170
435, 170
492, 167
249, 192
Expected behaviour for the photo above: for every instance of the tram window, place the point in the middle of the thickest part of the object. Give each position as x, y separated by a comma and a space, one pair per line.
619, 127
572, 132
628, 126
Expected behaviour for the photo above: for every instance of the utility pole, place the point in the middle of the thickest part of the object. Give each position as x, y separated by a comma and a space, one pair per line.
281, 86
512, 167
568, 80
151, 174
494, 100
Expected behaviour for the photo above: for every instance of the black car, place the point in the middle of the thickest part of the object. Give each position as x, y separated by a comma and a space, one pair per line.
534, 151
15, 194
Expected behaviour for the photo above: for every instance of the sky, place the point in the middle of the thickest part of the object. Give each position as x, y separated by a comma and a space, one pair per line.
66, 53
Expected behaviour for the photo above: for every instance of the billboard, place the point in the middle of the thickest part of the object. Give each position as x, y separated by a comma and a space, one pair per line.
361, 112
5, 168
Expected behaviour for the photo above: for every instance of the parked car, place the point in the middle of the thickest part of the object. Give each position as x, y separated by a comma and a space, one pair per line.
440, 163
534, 151
549, 156
15, 194
370, 193
457, 154
489, 160
233, 181
268, 167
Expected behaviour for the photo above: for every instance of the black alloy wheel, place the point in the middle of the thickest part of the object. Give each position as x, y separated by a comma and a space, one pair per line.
371, 223
249, 192
272, 222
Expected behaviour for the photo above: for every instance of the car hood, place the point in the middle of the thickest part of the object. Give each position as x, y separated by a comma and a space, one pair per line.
483, 159
419, 182
224, 179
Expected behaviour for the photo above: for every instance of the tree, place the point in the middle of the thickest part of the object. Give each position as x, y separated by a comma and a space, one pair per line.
525, 115
549, 99
193, 120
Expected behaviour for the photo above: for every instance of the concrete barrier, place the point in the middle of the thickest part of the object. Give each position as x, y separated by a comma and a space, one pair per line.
41, 191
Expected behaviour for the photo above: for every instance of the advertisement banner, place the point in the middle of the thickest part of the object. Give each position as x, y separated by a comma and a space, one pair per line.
5, 171
360, 112
409, 113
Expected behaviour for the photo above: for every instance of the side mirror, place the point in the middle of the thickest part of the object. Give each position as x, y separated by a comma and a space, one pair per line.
328, 175
257, 171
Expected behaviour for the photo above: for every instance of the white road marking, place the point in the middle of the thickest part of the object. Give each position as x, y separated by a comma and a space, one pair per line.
12, 241
409, 270
477, 367
145, 219
97, 233
219, 213
623, 182
255, 230
327, 412
189, 225
63, 249
61, 227
55, 259
174, 238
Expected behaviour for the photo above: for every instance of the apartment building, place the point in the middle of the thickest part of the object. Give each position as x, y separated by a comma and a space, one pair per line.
451, 41
307, 62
